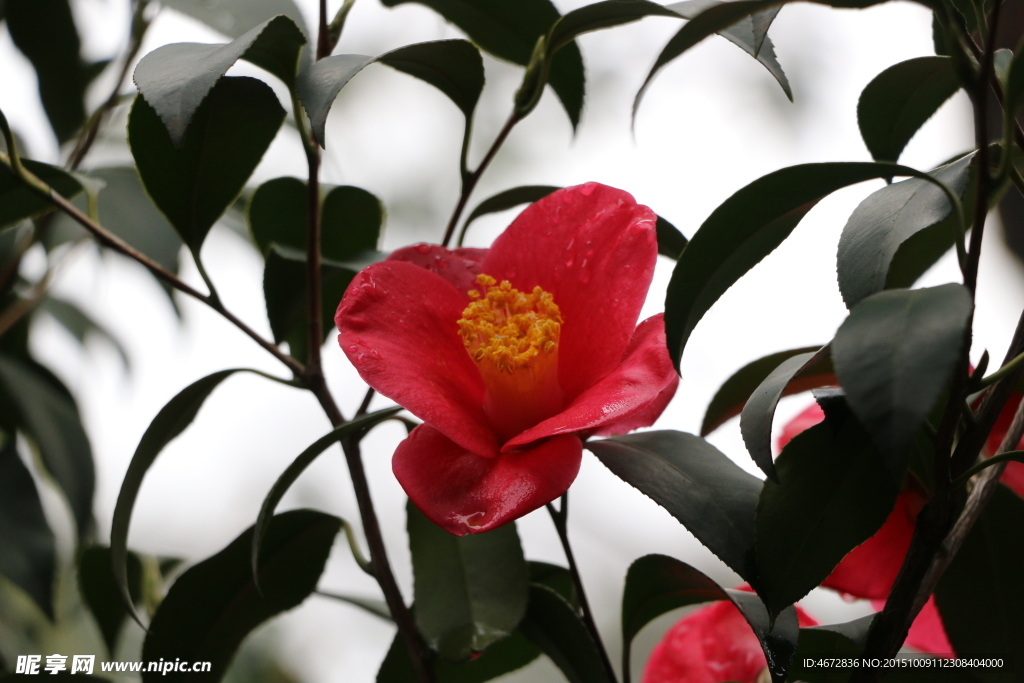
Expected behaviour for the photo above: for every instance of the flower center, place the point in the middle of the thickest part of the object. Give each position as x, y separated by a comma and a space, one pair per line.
513, 337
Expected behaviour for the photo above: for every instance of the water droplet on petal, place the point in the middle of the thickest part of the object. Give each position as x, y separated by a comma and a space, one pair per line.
587, 190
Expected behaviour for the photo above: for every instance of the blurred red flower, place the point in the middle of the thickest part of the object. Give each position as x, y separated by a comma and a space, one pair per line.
870, 569
711, 645
511, 354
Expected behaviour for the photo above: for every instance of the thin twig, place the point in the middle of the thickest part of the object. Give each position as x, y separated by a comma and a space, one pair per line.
469, 182
365, 405
560, 518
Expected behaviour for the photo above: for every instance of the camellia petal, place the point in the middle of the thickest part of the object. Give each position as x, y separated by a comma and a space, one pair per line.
458, 266
594, 249
465, 493
1013, 475
398, 327
711, 645
633, 392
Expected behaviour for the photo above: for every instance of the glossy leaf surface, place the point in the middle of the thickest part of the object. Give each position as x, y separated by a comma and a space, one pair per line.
454, 67
730, 398
698, 485
898, 101
176, 79
214, 605
234, 18
887, 219
195, 183
895, 355
759, 412
471, 591
835, 493
554, 626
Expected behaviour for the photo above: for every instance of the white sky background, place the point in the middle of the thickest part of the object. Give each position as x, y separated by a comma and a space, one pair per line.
713, 121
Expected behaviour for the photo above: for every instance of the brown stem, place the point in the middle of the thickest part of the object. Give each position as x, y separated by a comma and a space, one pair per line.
561, 517
314, 294
470, 181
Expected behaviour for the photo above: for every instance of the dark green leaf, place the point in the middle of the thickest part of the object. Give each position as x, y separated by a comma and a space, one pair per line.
558, 579
234, 17
750, 34
171, 421
728, 401
509, 29
656, 584
277, 214
101, 593
471, 591
48, 415
80, 324
319, 84
503, 657
895, 354
452, 66
844, 640
27, 547
18, 202
747, 227
44, 30
980, 597
194, 184
556, 628
698, 485
1014, 90
898, 101
601, 15
814, 368
670, 241
835, 493
284, 287
883, 222
214, 605
299, 465
176, 79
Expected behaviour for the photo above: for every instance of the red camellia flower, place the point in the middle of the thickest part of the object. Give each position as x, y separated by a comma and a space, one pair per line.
711, 645
511, 355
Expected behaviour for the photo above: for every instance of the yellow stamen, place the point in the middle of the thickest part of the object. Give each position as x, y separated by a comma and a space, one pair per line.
513, 337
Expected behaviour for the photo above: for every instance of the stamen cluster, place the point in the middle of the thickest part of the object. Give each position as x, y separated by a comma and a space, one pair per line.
507, 327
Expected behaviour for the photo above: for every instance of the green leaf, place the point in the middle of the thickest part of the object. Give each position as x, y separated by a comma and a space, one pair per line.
284, 288
214, 605
299, 465
48, 415
980, 597
882, 224
557, 578
501, 658
80, 324
471, 591
845, 640
454, 67
671, 242
171, 421
509, 29
195, 183
44, 31
898, 101
894, 356
18, 201
835, 493
656, 584
28, 556
101, 593
556, 628
750, 34
234, 17
698, 485
815, 370
1014, 90
176, 79
277, 214
601, 15
730, 398
318, 86
747, 227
